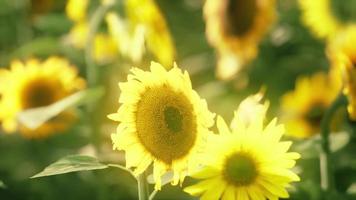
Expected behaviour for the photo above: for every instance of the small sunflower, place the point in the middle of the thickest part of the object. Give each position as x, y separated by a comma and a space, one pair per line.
248, 161
105, 49
342, 53
321, 17
162, 120
144, 18
130, 42
304, 107
36, 84
157, 35
235, 28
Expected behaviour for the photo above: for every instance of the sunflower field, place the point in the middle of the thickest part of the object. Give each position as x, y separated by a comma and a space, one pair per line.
177, 99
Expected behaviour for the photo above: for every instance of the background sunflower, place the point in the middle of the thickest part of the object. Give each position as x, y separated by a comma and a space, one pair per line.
287, 51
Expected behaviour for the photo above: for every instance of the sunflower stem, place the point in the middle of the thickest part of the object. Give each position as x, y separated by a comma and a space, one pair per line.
94, 24
91, 68
123, 169
143, 193
153, 194
326, 171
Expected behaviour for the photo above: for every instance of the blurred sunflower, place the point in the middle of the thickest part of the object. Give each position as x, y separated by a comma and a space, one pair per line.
36, 84
162, 120
322, 18
130, 42
342, 53
41, 6
77, 10
248, 161
104, 46
303, 108
235, 28
146, 27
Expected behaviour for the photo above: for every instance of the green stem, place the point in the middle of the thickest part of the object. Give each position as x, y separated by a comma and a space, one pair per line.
142, 187
122, 168
94, 24
326, 171
143, 192
91, 70
153, 194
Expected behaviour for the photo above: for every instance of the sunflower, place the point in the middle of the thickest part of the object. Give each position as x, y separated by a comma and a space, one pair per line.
34, 84
144, 20
130, 42
235, 28
105, 49
342, 53
77, 10
303, 108
248, 161
162, 120
321, 17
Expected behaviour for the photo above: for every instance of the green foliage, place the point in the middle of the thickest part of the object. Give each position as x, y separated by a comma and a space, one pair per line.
34, 118
2, 185
287, 52
73, 163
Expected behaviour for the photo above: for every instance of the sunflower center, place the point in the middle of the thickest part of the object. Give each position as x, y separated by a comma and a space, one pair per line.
344, 12
166, 123
41, 6
38, 93
173, 119
240, 16
240, 169
353, 62
315, 114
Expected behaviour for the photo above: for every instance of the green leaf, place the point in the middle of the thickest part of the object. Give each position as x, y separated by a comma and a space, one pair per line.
2, 185
338, 140
43, 46
310, 148
352, 189
35, 117
72, 163
165, 179
53, 23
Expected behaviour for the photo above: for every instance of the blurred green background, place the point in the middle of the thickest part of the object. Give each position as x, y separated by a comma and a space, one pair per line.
288, 51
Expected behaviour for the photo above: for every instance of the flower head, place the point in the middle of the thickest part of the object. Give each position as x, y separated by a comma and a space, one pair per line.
303, 108
77, 10
104, 47
321, 17
162, 120
235, 28
36, 84
342, 53
247, 161
144, 30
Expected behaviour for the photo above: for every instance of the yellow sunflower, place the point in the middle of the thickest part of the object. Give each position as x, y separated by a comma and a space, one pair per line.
162, 120
36, 84
77, 10
235, 28
303, 108
130, 42
157, 36
248, 161
342, 53
320, 17
105, 49
145, 26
